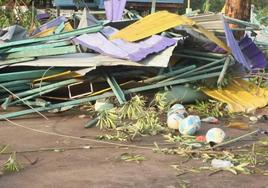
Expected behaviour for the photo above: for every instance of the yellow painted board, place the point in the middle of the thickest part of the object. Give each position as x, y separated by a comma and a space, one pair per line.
51, 31
159, 22
241, 96
60, 76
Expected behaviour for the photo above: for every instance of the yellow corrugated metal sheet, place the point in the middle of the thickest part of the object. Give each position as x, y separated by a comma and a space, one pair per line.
150, 25
159, 22
241, 96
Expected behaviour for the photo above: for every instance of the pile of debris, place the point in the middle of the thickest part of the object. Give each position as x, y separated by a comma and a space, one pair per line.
59, 66
69, 67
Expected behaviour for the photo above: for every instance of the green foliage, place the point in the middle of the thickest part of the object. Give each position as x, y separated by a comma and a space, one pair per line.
148, 124
213, 5
132, 157
137, 121
209, 108
260, 4
13, 14
134, 108
161, 102
107, 119
6, 18
12, 165
118, 136
204, 5
262, 15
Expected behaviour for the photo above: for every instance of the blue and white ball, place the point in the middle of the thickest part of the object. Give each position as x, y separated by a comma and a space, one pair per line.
179, 109
190, 125
215, 135
174, 121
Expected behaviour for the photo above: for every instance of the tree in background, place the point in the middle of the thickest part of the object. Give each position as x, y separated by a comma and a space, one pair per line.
213, 5
11, 13
239, 9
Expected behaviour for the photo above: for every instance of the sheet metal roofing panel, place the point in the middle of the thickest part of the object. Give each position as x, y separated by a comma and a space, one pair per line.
241, 96
94, 60
212, 22
252, 53
245, 51
233, 44
159, 22
150, 25
53, 23
119, 48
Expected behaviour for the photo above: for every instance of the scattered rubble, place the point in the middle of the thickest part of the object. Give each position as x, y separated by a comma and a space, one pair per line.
118, 64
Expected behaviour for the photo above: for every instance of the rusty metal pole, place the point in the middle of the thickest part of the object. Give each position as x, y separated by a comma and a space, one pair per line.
239, 9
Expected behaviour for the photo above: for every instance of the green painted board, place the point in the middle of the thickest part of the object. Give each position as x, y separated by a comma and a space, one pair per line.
36, 47
43, 52
34, 74
60, 28
93, 98
73, 33
14, 61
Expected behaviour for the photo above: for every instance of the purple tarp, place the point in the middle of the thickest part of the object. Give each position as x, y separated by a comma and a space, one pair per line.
252, 53
213, 48
55, 22
121, 49
114, 9
42, 16
245, 51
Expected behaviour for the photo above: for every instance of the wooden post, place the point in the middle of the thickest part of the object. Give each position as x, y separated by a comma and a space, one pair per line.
239, 9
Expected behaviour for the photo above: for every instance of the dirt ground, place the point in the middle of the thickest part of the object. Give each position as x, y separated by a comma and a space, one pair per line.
101, 167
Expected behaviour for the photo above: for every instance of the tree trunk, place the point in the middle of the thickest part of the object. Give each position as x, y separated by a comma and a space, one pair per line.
239, 9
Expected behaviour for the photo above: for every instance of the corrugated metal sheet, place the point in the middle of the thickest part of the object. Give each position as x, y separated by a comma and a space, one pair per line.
94, 60
159, 22
150, 25
241, 96
122, 49
212, 22
245, 51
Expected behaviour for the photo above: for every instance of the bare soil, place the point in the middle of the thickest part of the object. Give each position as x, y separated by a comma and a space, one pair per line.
101, 167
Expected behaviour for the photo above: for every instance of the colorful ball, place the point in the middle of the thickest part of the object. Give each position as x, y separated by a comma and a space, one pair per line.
173, 121
215, 135
189, 125
195, 120
179, 109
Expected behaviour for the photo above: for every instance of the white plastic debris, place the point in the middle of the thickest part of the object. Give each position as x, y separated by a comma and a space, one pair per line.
253, 118
210, 119
217, 163
101, 105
